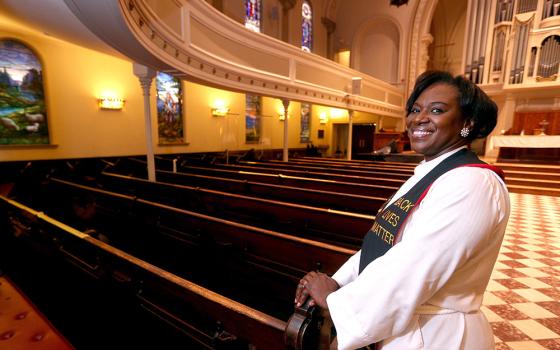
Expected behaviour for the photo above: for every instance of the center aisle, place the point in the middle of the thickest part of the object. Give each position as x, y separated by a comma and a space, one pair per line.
522, 301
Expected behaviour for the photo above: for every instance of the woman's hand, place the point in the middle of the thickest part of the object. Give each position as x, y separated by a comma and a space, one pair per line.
316, 285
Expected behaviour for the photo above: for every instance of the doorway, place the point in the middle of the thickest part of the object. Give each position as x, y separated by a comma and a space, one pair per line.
362, 138
340, 140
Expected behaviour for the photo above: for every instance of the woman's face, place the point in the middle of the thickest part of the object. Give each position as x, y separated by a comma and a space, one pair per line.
435, 121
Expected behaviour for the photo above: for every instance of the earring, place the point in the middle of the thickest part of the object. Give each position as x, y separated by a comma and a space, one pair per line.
465, 132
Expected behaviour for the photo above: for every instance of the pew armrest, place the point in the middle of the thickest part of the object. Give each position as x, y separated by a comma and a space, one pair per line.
309, 328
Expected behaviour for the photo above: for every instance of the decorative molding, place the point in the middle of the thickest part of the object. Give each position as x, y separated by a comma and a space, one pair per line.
420, 27
220, 69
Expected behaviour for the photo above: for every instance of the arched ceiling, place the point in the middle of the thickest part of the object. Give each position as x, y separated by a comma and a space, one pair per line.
63, 25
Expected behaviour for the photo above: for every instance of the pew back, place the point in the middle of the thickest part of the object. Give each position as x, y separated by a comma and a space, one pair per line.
186, 306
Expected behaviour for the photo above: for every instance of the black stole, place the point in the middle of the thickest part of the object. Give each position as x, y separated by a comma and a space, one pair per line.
388, 222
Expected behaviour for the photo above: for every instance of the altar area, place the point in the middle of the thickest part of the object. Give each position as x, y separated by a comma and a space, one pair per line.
525, 141
533, 138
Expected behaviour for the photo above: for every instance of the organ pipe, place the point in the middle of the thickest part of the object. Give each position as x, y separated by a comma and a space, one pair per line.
499, 51
532, 61
479, 18
520, 53
470, 27
550, 57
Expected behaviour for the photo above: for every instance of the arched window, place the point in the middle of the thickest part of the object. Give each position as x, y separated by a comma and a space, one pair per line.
23, 114
306, 26
253, 15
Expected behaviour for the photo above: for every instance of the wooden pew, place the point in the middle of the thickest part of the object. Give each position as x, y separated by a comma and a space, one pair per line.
325, 225
210, 319
319, 169
329, 170
357, 161
273, 250
297, 181
296, 220
280, 170
322, 199
320, 162
135, 167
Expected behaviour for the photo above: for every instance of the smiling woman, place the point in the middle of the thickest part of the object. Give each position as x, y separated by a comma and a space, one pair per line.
435, 120
446, 112
418, 281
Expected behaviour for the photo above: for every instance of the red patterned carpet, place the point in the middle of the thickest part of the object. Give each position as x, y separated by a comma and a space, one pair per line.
522, 301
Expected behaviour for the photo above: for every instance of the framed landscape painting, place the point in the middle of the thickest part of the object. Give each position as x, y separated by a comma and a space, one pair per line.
169, 109
23, 115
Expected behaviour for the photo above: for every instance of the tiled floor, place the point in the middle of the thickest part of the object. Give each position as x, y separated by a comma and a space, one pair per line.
522, 301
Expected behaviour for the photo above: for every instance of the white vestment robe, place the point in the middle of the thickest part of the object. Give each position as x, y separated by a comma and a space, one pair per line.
426, 291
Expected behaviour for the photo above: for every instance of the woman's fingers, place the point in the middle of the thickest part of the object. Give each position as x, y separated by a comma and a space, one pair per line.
302, 290
299, 291
301, 297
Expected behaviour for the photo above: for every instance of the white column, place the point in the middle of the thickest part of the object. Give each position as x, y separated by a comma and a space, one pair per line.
349, 147
286, 104
146, 75
505, 121
425, 42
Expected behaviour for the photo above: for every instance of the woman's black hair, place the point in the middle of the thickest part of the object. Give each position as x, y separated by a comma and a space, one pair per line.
475, 105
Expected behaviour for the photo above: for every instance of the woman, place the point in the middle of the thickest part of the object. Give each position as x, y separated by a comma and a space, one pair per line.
419, 279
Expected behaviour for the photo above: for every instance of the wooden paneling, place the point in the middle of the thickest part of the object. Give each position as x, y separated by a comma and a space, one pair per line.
529, 121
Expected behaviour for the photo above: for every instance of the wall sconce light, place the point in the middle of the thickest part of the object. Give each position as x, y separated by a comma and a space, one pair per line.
337, 113
281, 115
111, 103
220, 108
323, 119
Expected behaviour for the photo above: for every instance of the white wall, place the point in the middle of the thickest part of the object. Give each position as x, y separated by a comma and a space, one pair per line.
376, 50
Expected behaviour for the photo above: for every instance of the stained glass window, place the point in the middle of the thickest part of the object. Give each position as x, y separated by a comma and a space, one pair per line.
253, 15
23, 112
169, 108
305, 132
253, 105
306, 26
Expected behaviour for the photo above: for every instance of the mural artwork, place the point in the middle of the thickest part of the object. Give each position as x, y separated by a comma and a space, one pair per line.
169, 109
23, 116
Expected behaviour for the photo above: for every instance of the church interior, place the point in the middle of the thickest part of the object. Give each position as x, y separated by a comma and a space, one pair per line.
170, 169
